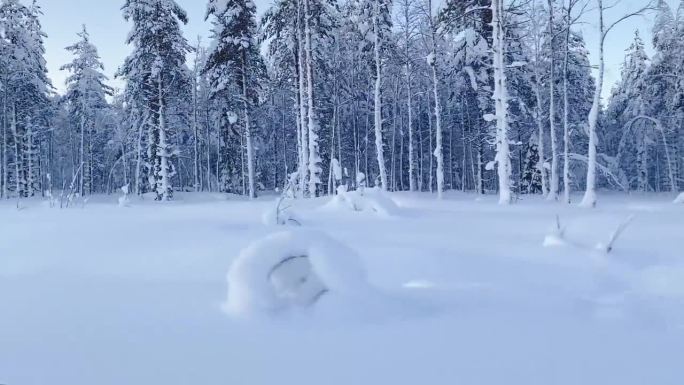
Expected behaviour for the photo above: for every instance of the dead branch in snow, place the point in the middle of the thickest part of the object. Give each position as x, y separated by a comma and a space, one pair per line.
559, 235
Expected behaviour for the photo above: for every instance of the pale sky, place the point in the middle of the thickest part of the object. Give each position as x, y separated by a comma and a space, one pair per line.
63, 19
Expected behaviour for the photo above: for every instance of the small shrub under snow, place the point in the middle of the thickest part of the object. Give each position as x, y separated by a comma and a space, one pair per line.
124, 200
280, 214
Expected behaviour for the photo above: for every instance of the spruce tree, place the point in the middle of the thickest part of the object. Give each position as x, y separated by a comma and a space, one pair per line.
236, 69
86, 98
158, 85
25, 96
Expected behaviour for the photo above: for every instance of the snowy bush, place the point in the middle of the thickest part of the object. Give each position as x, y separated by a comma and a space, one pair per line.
124, 200
290, 270
280, 214
371, 200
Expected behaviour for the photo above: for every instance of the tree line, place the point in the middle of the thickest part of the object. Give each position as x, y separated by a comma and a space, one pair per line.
485, 96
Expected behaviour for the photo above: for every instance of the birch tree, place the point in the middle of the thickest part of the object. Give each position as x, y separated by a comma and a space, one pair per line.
382, 24
432, 61
500, 97
553, 188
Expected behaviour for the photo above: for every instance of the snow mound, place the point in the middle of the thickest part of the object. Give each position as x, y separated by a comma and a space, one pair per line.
680, 198
292, 269
364, 200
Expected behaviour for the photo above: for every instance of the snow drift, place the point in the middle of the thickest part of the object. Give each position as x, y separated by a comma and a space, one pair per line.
292, 269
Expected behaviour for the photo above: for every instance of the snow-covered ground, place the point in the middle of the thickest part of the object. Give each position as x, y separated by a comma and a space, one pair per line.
108, 295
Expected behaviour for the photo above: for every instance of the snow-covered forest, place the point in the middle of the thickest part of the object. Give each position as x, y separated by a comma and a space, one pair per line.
342, 192
475, 96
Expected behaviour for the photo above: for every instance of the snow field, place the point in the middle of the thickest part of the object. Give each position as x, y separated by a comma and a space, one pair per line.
457, 291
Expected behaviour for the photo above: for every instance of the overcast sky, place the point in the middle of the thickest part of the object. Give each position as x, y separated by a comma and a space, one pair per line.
63, 19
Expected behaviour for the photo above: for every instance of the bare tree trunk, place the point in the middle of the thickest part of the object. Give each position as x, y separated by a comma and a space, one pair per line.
553, 190
164, 189
430, 147
501, 104
439, 151
138, 164
304, 139
566, 113
17, 140
538, 95
195, 127
378, 99
314, 159
207, 145
81, 182
248, 131
589, 199
411, 134
4, 145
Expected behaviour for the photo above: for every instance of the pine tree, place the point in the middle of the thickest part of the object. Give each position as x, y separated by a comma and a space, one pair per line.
235, 65
158, 86
531, 178
86, 92
628, 102
471, 20
25, 102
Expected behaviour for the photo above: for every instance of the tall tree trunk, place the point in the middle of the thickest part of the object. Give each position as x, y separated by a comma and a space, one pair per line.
553, 189
589, 199
304, 134
411, 134
538, 95
378, 98
17, 152
164, 189
138, 164
195, 131
501, 104
566, 113
81, 152
248, 131
314, 157
4, 145
430, 144
439, 151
